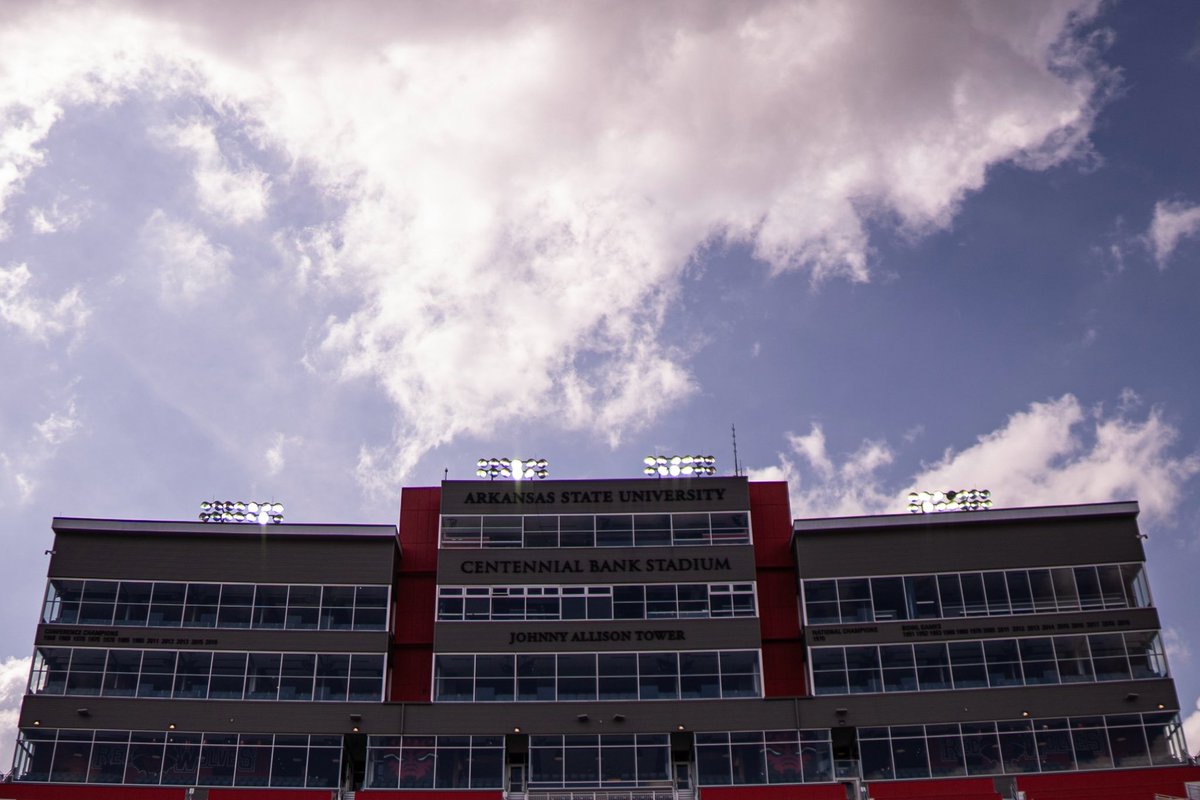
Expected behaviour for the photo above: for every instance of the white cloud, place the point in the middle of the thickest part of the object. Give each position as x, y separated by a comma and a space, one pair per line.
37, 318
186, 262
14, 674
1055, 452
1191, 730
60, 215
1173, 221
23, 461
520, 187
275, 453
230, 195
59, 427
1178, 651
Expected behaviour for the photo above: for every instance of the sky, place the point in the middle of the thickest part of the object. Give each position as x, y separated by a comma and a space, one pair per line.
311, 253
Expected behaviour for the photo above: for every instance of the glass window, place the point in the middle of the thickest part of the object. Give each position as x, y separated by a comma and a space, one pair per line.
888, 594
854, 596
652, 530
1091, 743
946, 756
821, 602
541, 531
254, 760
614, 530
218, 759
1017, 748
1042, 587
133, 603
1087, 583
1053, 739
933, 666
950, 595
974, 599
1020, 591
1064, 588
181, 758
580, 530
108, 757
922, 594
995, 588
145, 758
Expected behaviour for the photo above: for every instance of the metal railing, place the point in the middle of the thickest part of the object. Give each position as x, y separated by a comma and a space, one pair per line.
601, 794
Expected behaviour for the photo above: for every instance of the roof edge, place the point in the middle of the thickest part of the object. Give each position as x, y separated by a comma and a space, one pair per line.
1121, 508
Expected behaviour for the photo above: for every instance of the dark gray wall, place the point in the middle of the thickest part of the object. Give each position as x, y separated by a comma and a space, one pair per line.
616, 635
919, 631
911, 708
969, 543
265, 559
537, 566
213, 639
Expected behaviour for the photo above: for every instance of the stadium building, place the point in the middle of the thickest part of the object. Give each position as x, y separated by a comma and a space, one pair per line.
650, 639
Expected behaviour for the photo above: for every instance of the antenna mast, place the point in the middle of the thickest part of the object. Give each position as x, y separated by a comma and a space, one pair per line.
737, 468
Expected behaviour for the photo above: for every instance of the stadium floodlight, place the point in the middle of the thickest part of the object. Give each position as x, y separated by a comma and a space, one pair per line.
515, 468
241, 511
954, 500
679, 466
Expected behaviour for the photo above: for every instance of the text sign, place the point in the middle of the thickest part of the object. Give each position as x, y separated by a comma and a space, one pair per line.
595, 497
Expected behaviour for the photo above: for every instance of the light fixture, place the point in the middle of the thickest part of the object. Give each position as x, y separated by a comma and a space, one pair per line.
618, 717
171, 726
356, 717
515, 468
841, 712
239, 511
1132, 697
952, 500
1161, 706
516, 729
83, 712
37, 723
1024, 713
582, 718
679, 466
680, 727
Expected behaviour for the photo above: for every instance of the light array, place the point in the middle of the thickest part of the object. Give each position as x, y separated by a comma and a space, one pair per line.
675, 466
514, 468
954, 500
238, 511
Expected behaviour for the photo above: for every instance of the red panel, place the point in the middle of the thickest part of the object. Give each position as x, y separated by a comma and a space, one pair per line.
958, 789
1128, 784
419, 510
779, 614
821, 791
783, 669
412, 673
416, 594
416, 604
771, 520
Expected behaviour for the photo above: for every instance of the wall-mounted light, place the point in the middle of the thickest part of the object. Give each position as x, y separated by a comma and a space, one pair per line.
582, 718
83, 712
618, 717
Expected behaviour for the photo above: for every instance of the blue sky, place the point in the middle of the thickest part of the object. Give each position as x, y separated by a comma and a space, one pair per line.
281, 252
